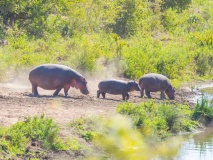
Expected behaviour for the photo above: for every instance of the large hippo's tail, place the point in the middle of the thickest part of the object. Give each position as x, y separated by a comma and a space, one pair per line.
141, 83
100, 85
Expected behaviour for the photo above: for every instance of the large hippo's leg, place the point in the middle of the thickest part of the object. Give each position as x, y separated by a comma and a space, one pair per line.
34, 90
142, 92
125, 96
66, 89
103, 94
98, 93
57, 91
162, 95
148, 94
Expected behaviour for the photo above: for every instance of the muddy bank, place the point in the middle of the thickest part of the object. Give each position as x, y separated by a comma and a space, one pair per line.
17, 104
193, 91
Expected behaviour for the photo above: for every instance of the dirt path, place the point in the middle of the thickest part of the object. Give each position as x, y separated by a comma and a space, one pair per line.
17, 104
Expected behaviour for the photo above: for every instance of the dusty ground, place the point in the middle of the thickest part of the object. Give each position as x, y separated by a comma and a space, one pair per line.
16, 102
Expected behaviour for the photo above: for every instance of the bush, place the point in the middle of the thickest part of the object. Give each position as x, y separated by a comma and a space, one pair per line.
123, 141
205, 38
203, 111
15, 139
176, 4
161, 119
88, 128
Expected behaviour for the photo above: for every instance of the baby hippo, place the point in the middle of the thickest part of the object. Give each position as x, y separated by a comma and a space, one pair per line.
154, 82
117, 87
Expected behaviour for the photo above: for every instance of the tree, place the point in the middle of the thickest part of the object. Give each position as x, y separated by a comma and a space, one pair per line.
125, 21
27, 12
175, 4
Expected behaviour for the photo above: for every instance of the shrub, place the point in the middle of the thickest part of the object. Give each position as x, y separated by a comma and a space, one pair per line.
88, 128
161, 119
176, 4
204, 38
203, 111
123, 141
15, 139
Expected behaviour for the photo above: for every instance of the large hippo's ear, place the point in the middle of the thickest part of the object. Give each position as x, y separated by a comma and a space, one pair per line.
83, 79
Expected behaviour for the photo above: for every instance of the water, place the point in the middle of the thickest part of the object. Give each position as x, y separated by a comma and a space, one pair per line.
199, 146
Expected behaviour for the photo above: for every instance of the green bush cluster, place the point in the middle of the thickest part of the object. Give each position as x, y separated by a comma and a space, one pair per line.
16, 139
161, 119
118, 137
203, 111
205, 39
168, 37
88, 128
123, 141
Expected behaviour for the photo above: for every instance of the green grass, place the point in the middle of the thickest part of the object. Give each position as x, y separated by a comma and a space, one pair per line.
36, 131
161, 120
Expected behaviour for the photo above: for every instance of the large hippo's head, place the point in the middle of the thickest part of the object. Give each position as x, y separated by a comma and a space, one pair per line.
133, 86
81, 84
170, 92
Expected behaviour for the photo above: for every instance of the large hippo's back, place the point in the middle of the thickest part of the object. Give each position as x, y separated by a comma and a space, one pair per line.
49, 76
154, 82
113, 86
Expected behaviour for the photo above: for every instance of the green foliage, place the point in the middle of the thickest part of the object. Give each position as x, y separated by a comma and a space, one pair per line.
158, 119
125, 22
1, 32
123, 142
176, 4
3, 67
87, 127
117, 137
203, 110
136, 36
15, 139
204, 60
204, 39
171, 21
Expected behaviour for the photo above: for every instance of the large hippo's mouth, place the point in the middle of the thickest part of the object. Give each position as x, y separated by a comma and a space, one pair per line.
172, 98
85, 91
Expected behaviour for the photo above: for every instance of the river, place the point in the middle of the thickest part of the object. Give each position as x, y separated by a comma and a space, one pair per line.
198, 146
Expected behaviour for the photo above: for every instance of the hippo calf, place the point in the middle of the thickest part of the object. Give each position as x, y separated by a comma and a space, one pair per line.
117, 87
56, 77
154, 82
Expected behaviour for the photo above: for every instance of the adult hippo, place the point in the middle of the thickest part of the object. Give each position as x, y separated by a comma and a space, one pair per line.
56, 77
153, 82
117, 87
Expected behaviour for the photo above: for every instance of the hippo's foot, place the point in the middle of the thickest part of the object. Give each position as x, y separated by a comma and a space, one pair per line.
98, 94
104, 95
125, 97
34, 94
162, 96
67, 96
